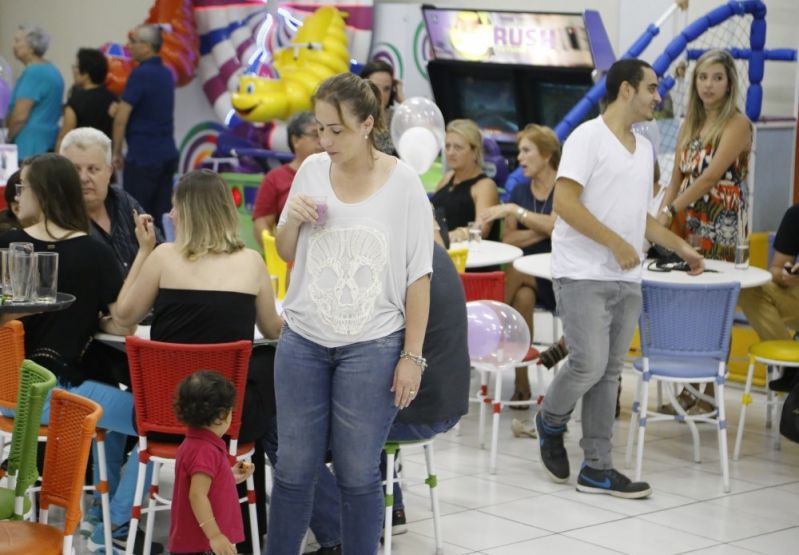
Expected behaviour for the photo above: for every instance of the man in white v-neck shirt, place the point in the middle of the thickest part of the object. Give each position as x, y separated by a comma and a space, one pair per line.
602, 193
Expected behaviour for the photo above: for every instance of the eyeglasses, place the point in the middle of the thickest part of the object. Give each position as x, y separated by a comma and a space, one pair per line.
311, 134
20, 187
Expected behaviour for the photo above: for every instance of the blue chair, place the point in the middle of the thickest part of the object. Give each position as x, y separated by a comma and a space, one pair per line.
685, 337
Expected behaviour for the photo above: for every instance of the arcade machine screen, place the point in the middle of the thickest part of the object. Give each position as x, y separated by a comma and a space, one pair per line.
491, 103
552, 101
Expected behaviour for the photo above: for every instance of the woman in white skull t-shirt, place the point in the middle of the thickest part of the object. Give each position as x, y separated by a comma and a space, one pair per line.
358, 227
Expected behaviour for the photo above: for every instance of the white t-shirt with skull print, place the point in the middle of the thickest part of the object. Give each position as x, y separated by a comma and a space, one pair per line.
350, 275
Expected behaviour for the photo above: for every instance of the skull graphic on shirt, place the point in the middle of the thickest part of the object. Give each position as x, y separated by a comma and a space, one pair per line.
346, 266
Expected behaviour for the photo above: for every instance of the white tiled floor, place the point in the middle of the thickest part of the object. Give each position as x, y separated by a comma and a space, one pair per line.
520, 511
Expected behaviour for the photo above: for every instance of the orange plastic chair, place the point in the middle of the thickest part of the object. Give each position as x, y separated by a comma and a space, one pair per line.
73, 420
156, 369
12, 353
484, 286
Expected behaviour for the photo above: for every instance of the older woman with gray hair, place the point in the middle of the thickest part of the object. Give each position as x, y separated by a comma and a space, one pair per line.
35, 105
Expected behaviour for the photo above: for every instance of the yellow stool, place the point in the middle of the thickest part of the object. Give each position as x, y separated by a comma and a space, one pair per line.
458, 256
275, 265
780, 353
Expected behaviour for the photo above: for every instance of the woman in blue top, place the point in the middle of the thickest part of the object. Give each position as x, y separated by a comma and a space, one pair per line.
529, 220
35, 105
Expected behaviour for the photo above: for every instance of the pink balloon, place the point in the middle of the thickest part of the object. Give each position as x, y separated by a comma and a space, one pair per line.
483, 330
498, 334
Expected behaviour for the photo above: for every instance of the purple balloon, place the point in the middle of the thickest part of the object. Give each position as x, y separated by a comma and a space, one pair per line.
498, 334
484, 330
5, 96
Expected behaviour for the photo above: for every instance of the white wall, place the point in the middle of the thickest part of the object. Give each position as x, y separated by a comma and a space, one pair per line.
72, 24
76, 23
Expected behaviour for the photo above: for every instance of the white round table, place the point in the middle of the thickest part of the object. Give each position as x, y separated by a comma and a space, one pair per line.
488, 253
540, 265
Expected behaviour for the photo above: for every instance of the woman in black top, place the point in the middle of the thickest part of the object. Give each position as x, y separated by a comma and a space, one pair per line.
465, 190
50, 195
90, 103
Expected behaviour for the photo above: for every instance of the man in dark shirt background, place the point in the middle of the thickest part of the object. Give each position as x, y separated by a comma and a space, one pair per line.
109, 207
145, 120
774, 307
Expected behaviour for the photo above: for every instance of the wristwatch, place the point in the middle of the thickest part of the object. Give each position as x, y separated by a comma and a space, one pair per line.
520, 213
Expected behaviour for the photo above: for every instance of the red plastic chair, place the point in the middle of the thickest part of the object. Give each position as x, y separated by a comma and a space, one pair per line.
73, 420
480, 286
156, 369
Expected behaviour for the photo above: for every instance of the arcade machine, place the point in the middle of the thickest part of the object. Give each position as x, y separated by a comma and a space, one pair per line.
506, 69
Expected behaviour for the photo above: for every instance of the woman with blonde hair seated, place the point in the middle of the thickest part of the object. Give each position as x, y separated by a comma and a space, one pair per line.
206, 287
465, 190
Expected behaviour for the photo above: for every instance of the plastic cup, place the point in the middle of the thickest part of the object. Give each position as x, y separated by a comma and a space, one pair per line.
320, 202
46, 276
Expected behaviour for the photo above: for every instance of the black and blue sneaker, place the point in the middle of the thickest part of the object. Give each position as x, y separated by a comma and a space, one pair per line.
553, 453
611, 482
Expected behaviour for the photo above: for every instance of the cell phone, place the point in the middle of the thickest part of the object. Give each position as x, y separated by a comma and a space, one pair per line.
789, 268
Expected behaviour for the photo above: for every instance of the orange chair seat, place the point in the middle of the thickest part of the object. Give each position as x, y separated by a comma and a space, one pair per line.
20, 536
166, 450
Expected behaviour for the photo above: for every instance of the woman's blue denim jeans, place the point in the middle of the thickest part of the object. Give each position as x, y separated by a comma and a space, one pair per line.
338, 399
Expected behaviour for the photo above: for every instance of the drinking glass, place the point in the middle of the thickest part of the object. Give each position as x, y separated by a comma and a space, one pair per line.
21, 270
320, 202
5, 277
475, 232
742, 254
45, 276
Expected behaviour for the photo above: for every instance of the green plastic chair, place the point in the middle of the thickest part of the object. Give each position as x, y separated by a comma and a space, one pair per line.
35, 382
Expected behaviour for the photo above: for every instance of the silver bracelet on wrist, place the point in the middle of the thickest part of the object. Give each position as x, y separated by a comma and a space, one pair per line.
418, 360
520, 213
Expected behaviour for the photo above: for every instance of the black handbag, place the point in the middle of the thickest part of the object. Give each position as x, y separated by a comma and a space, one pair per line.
789, 421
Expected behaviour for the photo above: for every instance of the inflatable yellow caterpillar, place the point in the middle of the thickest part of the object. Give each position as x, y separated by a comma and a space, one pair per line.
318, 51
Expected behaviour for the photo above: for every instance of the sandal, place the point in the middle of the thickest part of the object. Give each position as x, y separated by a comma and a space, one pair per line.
523, 428
686, 400
521, 396
701, 407
554, 355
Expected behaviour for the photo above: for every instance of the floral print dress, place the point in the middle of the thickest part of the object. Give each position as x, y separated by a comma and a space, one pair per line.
713, 222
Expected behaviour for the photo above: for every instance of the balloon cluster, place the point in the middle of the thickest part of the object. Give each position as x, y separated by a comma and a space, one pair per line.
498, 334
417, 130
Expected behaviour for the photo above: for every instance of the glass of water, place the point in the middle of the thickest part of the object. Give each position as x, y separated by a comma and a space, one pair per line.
21, 271
742, 254
475, 232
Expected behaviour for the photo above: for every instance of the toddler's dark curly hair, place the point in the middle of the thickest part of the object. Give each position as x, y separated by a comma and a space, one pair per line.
204, 398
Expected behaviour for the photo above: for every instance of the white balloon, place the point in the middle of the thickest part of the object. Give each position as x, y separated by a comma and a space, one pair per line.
418, 147
417, 111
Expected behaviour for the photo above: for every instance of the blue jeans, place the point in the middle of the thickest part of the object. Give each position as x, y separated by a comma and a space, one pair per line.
599, 320
117, 420
338, 398
409, 432
326, 513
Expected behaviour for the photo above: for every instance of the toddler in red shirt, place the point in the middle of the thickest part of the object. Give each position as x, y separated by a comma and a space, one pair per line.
205, 515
